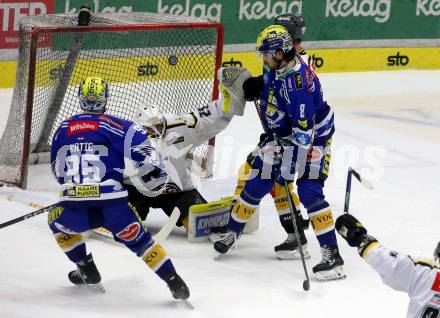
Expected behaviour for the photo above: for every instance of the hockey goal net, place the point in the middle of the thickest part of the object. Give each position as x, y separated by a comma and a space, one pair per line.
166, 60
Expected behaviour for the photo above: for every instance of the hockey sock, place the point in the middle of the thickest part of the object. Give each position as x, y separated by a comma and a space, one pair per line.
240, 215
157, 259
72, 244
322, 221
282, 206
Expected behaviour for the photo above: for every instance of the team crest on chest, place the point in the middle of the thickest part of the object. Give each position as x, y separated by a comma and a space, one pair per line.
273, 114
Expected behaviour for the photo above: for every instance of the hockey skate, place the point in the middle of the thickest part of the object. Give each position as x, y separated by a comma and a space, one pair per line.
217, 232
330, 267
227, 242
177, 286
87, 275
289, 248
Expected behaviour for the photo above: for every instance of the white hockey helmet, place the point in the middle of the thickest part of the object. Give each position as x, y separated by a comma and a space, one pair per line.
150, 117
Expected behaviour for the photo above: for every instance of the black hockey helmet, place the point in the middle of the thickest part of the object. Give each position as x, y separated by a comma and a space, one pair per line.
293, 22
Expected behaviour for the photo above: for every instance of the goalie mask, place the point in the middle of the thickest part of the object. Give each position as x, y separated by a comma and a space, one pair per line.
150, 117
93, 94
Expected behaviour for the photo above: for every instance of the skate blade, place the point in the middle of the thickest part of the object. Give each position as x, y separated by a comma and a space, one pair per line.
292, 255
188, 304
213, 237
333, 274
98, 288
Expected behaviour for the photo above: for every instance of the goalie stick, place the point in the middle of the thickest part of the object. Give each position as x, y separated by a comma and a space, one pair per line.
159, 237
293, 210
366, 183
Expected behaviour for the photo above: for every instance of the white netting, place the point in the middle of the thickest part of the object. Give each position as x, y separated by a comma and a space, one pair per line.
173, 69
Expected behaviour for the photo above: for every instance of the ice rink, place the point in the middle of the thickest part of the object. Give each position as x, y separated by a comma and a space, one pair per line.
387, 126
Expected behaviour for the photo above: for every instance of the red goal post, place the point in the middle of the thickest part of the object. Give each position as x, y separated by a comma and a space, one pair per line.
166, 60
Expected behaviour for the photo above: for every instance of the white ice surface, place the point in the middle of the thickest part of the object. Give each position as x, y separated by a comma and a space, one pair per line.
387, 125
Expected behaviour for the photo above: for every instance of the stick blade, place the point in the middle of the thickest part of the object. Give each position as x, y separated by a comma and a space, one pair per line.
306, 285
168, 227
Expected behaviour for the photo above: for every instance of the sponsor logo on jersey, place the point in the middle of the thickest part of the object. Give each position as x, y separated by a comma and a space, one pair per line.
379, 9
130, 232
83, 191
298, 81
309, 81
302, 138
54, 214
436, 284
257, 10
398, 60
76, 127
111, 121
303, 123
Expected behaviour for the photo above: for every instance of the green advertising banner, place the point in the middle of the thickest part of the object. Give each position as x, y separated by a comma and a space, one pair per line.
327, 20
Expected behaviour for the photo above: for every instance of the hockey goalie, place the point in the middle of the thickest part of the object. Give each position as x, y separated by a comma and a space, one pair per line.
176, 135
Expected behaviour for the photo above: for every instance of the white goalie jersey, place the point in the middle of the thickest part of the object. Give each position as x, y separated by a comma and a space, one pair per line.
420, 279
181, 135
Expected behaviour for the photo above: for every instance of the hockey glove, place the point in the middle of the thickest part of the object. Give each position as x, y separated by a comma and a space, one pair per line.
354, 232
253, 88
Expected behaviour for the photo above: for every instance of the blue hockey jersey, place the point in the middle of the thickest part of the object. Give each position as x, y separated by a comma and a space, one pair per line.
91, 153
294, 108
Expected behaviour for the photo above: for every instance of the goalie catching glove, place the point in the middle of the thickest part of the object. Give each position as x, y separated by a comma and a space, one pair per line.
231, 88
354, 233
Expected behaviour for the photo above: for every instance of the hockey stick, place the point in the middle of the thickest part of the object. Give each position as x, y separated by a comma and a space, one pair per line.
159, 237
363, 181
162, 235
293, 210
27, 216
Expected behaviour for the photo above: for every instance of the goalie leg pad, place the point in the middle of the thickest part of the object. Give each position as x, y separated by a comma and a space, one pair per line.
203, 217
231, 88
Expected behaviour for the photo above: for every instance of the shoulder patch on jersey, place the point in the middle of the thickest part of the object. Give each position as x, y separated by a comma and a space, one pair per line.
80, 126
436, 284
111, 121
298, 81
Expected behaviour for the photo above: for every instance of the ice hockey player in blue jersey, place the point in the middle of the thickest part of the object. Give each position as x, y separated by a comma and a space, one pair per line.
91, 154
301, 122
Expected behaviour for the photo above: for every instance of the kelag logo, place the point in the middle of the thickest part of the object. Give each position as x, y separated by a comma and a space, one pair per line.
428, 7
148, 69
211, 11
231, 62
96, 8
257, 10
379, 9
398, 60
